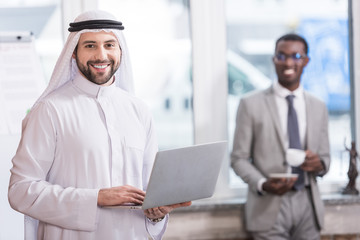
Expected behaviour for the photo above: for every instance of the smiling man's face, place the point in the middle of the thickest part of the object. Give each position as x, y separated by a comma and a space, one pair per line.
290, 59
98, 56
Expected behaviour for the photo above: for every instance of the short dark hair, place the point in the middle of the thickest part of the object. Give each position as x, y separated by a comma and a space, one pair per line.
293, 37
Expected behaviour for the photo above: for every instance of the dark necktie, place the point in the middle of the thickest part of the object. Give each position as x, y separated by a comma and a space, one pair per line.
294, 139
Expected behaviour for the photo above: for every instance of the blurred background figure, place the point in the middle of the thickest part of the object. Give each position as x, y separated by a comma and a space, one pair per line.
269, 123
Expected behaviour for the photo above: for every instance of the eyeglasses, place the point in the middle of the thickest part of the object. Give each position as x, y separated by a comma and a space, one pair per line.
297, 57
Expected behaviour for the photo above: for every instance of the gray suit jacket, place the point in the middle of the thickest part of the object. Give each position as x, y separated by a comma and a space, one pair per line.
259, 150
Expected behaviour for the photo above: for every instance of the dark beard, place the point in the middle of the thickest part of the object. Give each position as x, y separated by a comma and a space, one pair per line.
99, 80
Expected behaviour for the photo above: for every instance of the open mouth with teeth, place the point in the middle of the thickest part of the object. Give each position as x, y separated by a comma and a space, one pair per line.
103, 66
100, 67
289, 71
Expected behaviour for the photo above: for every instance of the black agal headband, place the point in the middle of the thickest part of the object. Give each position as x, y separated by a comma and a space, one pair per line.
95, 24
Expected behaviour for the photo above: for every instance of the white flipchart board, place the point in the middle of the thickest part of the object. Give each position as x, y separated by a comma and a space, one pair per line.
21, 79
21, 83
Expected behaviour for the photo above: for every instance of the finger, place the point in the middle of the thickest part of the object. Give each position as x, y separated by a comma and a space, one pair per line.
155, 212
133, 196
312, 167
312, 157
152, 212
148, 213
309, 154
314, 161
132, 189
163, 210
277, 188
137, 201
184, 204
291, 183
309, 163
134, 192
130, 197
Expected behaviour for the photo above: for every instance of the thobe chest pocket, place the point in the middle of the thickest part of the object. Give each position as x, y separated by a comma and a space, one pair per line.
133, 153
135, 141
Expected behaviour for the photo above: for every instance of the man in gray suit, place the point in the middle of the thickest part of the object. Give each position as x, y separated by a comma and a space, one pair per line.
282, 208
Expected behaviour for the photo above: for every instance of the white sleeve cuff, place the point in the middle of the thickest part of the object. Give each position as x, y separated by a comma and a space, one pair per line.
156, 230
259, 185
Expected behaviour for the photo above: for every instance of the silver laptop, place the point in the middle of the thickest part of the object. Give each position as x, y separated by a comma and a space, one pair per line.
183, 174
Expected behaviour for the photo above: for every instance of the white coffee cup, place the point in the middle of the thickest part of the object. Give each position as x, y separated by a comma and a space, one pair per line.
295, 157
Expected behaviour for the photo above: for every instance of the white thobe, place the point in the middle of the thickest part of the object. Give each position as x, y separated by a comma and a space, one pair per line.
80, 138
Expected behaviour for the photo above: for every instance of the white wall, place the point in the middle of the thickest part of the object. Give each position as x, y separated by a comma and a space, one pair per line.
11, 222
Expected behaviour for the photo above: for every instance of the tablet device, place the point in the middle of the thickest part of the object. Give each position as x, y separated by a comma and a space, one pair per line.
183, 174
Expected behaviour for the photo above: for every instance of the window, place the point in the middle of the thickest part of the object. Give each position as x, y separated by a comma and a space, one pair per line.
252, 29
157, 34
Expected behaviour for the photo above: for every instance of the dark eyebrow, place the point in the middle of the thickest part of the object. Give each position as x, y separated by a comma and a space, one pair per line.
112, 41
91, 41
87, 42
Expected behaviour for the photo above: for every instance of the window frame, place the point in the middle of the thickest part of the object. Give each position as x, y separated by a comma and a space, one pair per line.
211, 74
208, 27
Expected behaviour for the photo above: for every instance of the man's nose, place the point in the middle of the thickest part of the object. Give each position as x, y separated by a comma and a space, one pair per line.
101, 54
289, 61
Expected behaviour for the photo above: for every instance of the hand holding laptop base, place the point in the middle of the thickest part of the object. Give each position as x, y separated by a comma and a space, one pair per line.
127, 194
178, 177
160, 212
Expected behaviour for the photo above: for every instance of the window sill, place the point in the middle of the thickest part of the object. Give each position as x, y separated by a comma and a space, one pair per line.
223, 218
235, 203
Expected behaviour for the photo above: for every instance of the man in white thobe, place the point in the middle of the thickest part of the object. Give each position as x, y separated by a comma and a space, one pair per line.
86, 144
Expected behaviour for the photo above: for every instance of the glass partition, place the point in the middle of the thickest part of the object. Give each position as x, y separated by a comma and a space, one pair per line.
252, 29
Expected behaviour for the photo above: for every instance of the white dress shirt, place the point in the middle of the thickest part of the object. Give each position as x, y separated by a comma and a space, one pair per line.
80, 138
299, 105
282, 106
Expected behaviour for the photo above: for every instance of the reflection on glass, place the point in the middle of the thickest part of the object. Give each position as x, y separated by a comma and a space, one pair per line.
252, 29
30, 33
41, 18
157, 33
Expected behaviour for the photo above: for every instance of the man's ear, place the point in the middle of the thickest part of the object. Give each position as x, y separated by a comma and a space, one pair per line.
74, 52
306, 61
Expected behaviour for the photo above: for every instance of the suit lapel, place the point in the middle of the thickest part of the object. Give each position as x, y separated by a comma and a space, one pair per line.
271, 103
309, 124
